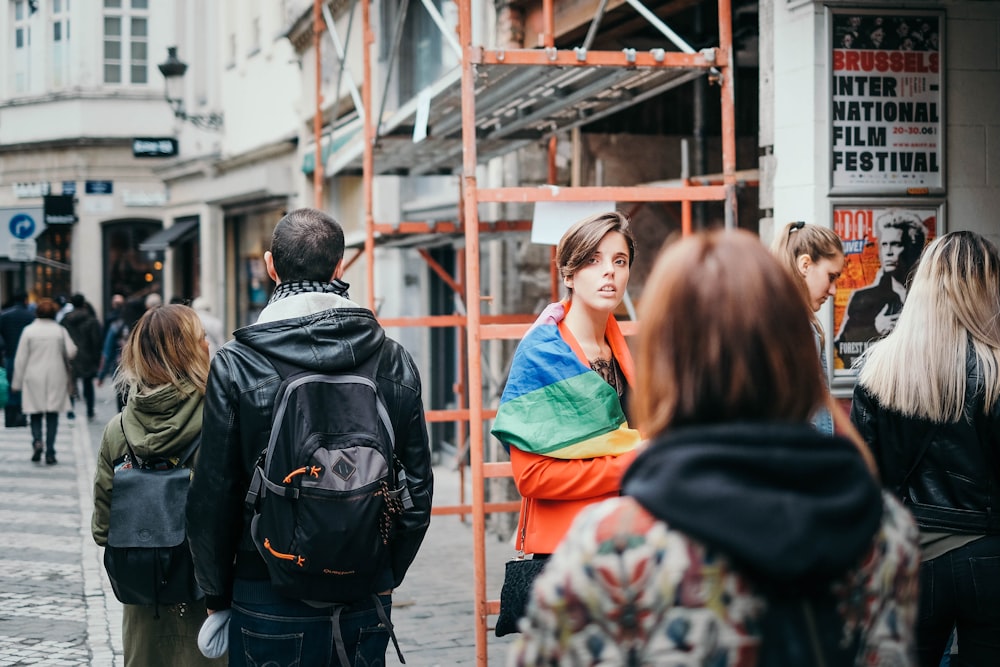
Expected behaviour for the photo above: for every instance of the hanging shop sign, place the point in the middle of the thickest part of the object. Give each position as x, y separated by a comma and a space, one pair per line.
882, 242
887, 102
154, 147
59, 210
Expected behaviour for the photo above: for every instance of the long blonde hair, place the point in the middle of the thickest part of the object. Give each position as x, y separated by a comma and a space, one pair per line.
164, 347
919, 369
797, 239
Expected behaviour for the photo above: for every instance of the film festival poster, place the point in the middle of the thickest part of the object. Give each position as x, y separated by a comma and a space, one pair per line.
881, 248
887, 102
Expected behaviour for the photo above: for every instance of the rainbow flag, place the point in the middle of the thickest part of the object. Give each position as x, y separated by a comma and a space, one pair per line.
557, 406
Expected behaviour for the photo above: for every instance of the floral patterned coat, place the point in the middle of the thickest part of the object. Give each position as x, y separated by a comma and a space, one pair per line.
626, 589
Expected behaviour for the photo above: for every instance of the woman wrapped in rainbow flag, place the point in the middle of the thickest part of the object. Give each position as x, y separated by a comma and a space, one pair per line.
561, 415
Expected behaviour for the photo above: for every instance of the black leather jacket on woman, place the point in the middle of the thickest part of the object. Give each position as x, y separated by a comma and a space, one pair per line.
322, 332
955, 486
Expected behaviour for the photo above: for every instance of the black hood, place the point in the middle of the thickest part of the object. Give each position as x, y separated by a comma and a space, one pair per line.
791, 507
331, 340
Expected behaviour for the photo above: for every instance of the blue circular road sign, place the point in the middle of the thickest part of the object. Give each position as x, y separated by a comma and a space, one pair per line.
22, 226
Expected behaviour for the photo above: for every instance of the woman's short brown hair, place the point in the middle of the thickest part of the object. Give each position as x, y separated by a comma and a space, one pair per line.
724, 337
46, 309
580, 241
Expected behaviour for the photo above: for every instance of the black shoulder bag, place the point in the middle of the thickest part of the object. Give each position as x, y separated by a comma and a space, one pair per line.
147, 556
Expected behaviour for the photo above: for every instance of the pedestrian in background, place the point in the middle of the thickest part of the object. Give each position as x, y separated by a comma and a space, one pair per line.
214, 328
928, 404
562, 414
85, 330
814, 257
114, 342
163, 371
14, 318
744, 536
42, 373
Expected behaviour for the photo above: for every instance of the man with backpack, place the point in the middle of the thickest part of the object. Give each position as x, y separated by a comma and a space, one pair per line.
312, 490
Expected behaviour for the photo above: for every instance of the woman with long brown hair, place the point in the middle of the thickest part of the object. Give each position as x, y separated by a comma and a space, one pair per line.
744, 536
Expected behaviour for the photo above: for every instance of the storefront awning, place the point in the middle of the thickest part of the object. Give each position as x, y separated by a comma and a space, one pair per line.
176, 233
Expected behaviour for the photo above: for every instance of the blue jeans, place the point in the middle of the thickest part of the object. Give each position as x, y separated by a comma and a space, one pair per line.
281, 632
961, 590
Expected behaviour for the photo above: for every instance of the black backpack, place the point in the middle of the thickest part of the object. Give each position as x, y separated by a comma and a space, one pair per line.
147, 556
326, 491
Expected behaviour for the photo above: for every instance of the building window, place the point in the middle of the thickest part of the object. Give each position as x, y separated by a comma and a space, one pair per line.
424, 55
22, 46
126, 41
59, 65
255, 35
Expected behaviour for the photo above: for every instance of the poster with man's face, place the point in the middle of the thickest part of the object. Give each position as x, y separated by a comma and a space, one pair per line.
881, 249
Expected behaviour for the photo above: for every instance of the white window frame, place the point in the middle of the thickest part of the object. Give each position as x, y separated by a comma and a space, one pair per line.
21, 21
59, 32
132, 64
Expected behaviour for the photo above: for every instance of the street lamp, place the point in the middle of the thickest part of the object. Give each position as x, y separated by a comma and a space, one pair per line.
173, 69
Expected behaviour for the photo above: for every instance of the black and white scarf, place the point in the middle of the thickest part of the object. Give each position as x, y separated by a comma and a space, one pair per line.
338, 287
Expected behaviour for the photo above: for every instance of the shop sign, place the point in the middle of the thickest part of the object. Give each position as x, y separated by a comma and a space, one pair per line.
154, 147
31, 190
133, 198
98, 187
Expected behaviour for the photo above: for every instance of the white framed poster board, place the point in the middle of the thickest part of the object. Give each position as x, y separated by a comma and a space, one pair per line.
887, 110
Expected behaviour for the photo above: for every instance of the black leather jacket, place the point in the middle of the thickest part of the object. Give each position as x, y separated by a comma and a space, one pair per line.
238, 402
954, 485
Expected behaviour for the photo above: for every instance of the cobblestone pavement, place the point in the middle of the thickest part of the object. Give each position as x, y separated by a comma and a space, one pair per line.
56, 604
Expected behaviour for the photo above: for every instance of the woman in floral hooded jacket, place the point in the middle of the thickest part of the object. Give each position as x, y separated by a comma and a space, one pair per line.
744, 536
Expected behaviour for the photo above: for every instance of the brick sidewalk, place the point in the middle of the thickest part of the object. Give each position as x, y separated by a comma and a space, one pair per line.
58, 608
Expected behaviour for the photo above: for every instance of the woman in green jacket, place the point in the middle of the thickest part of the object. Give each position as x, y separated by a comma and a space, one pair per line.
164, 367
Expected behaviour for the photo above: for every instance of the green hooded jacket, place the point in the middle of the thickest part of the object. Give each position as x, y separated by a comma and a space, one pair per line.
159, 423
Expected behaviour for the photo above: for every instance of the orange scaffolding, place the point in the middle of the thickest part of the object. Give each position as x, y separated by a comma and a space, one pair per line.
496, 101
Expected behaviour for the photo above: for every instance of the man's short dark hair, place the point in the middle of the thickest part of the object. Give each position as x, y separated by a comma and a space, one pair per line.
307, 244
78, 300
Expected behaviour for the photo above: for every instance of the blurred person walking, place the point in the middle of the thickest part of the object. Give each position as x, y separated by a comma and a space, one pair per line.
214, 328
814, 257
115, 340
928, 404
42, 373
744, 537
85, 330
163, 371
13, 319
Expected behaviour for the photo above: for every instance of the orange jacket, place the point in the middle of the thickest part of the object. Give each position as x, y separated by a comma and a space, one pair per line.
555, 490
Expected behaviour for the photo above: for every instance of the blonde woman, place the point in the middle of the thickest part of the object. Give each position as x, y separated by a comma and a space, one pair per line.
814, 257
163, 371
928, 404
